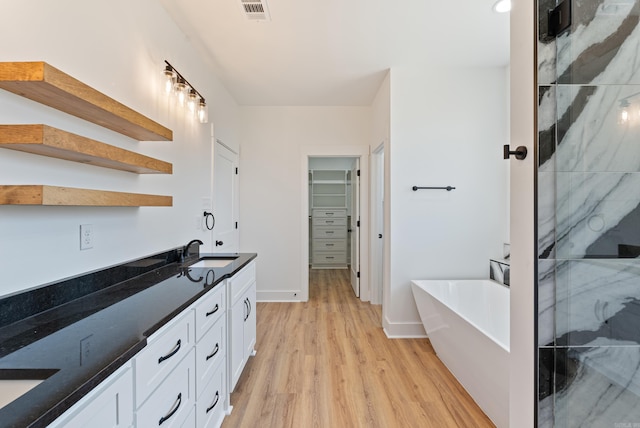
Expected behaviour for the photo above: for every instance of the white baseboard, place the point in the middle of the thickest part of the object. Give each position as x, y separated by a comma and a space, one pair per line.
279, 296
404, 330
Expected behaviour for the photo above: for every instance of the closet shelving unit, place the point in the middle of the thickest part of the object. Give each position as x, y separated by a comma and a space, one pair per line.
328, 219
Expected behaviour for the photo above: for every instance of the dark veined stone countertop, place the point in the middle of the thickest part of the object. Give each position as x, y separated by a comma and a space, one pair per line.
108, 314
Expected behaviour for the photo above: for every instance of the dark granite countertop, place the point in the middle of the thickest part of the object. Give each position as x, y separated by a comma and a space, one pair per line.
81, 340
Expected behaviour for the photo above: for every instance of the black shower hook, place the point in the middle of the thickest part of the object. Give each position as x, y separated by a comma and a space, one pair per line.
206, 220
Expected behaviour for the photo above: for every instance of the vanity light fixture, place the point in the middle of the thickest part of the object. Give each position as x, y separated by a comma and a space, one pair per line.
186, 95
502, 6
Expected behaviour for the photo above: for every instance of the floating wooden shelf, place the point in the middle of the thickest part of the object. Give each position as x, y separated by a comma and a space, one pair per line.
45, 84
47, 141
52, 195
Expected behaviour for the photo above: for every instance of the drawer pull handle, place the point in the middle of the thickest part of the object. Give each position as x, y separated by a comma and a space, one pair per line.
329, 231
330, 257
328, 213
329, 245
330, 221
213, 311
215, 351
173, 352
173, 411
214, 403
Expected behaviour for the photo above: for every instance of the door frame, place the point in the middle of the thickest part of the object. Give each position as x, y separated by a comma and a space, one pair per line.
377, 218
340, 151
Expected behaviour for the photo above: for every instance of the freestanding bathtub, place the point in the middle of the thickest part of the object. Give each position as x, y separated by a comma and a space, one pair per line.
468, 324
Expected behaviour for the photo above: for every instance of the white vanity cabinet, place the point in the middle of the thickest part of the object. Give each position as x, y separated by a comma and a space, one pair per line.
241, 290
109, 405
172, 402
165, 374
211, 350
182, 377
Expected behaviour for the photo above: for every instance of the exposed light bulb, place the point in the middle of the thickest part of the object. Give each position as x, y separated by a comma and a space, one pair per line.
181, 91
192, 101
502, 6
203, 112
169, 79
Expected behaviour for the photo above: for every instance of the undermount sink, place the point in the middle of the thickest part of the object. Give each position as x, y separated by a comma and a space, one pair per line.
16, 383
213, 262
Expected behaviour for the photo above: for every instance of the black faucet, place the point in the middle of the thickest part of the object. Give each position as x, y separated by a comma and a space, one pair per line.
185, 250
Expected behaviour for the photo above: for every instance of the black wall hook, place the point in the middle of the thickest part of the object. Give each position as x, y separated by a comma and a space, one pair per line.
520, 152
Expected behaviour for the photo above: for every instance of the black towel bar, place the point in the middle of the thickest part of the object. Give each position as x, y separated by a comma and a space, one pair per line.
448, 188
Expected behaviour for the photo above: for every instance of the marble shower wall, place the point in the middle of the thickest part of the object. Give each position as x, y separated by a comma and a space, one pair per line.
589, 216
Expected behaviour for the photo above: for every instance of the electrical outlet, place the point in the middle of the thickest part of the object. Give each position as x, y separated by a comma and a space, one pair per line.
85, 349
86, 236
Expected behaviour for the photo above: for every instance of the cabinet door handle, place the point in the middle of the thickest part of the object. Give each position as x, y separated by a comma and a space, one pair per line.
172, 412
213, 311
215, 351
250, 307
214, 403
246, 306
172, 353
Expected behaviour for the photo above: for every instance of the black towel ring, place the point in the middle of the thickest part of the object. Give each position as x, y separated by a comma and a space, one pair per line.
206, 220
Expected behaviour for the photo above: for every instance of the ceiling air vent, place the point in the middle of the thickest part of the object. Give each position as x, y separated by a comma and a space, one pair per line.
255, 10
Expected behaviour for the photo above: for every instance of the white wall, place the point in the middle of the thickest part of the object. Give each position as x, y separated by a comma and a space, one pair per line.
271, 187
447, 128
380, 125
118, 47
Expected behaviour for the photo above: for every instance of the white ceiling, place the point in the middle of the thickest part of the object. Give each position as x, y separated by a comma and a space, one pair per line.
337, 52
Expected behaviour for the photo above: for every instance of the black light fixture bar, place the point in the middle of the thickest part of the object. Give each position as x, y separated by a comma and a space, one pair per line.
185, 80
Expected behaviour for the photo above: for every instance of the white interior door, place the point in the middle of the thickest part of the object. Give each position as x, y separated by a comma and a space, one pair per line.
355, 227
225, 190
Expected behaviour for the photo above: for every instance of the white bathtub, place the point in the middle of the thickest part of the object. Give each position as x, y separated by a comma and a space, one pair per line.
468, 324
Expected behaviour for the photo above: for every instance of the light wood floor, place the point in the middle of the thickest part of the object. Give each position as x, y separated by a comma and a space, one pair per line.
327, 363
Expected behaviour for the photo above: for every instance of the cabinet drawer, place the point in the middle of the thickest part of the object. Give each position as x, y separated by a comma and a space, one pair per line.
174, 399
209, 310
334, 245
163, 352
209, 352
330, 213
241, 280
210, 406
190, 422
329, 221
329, 258
328, 232
110, 405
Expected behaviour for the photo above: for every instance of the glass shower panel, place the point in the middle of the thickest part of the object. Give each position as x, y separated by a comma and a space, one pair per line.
589, 216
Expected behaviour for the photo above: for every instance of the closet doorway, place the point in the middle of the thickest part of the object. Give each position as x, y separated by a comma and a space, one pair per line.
341, 217
334, 215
